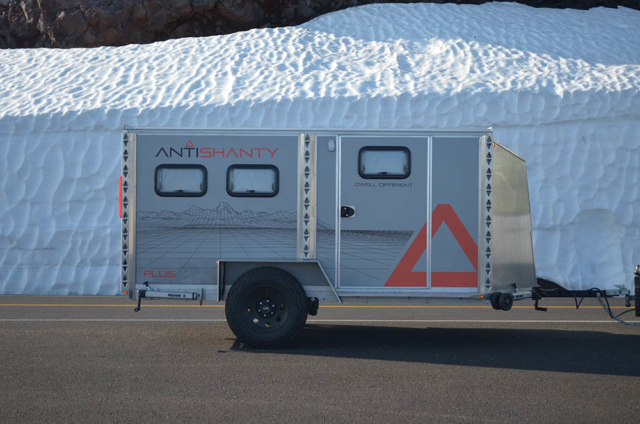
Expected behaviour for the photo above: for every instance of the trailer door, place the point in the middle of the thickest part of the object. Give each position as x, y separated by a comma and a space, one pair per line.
383, 202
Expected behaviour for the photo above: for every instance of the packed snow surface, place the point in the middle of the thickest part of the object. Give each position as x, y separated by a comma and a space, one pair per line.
559, 87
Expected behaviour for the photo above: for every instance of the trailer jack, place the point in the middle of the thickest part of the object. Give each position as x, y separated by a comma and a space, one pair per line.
536, 298
140, 296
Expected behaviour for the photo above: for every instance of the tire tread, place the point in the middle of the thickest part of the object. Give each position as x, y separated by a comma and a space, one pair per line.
234, 305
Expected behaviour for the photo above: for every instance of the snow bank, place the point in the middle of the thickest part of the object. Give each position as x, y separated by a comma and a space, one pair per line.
560, 87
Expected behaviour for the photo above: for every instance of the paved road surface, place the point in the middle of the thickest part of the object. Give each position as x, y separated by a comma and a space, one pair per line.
92, 359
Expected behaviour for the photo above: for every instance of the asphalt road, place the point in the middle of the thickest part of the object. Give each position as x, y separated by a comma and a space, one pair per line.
92, 359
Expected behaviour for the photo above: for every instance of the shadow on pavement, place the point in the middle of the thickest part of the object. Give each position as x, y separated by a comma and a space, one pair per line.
589, 352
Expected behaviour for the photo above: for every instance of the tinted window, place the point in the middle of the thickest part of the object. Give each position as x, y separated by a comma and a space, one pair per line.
181, 180
384, 162
252, 180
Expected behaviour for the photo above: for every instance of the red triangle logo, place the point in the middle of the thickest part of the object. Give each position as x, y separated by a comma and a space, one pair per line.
189, 144
403, 275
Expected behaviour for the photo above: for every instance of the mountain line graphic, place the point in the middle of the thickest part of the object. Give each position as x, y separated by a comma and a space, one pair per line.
222, 216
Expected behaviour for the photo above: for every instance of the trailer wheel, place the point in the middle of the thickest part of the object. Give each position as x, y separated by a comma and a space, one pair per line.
495, 301
506, 301
266, 307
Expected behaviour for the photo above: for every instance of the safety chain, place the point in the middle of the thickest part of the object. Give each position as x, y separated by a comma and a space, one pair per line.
614, 316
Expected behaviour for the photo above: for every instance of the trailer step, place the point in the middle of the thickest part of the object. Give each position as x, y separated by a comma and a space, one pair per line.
158, 294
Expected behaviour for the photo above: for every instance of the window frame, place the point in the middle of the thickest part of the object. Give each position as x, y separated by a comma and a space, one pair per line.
250, 166
384, 148
181, 166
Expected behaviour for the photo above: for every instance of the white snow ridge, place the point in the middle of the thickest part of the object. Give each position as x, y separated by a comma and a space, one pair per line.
559, 87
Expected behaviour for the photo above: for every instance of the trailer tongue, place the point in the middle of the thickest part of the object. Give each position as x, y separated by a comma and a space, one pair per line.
602, 296
275, 221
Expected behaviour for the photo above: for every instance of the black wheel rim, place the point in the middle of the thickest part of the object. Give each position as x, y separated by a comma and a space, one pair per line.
266, 308
506, 302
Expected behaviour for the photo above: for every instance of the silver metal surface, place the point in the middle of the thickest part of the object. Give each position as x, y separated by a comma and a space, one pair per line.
618, 291
456, 185
219, 268
485, 206
338, 200
405, 293
510, 151
504, 223
384, 207
133, 206
512, 262
206, 291
521, 295
306, 262
333, 289
296, 131
128, 228
178, 295
429, 208
124, 231
269, 260
307, 176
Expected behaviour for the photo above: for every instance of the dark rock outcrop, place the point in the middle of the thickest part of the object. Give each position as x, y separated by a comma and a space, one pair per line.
91, 23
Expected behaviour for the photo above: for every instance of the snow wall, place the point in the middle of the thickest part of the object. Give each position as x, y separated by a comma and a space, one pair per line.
560, 87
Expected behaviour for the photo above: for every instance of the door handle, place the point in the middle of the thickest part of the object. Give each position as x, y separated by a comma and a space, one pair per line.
347, 212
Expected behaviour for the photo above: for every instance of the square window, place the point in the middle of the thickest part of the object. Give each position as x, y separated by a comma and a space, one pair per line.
181, 180
384, 162
252, 180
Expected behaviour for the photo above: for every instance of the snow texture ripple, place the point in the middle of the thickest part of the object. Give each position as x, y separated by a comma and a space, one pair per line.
559, 87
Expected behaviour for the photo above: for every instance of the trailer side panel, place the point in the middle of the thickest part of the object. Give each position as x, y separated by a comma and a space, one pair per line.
181, 234
454, 203
512, 256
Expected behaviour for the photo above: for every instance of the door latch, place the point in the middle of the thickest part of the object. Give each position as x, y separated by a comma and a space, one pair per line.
347, 212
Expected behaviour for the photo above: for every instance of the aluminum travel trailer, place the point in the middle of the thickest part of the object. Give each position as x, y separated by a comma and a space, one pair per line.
276, 221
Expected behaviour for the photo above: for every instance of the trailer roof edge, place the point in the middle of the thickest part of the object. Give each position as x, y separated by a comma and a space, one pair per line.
510, 151
318, 131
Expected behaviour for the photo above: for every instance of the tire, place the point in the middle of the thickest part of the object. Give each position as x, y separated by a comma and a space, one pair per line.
495, 301
266, 308
506, 301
